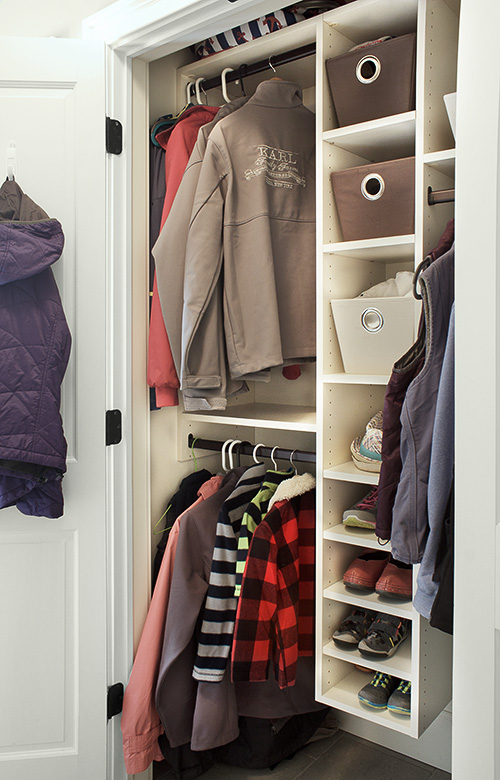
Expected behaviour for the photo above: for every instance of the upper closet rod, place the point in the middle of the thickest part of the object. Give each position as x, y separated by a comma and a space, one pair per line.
440, 196
259, 67
245, 448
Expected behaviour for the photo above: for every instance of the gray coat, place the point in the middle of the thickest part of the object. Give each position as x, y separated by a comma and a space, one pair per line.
409, 520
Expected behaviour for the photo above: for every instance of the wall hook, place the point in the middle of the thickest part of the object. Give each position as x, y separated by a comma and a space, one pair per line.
11, 161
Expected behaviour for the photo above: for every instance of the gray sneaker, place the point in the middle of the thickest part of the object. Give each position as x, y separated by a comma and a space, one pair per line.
384, 636
377, 692
364, 513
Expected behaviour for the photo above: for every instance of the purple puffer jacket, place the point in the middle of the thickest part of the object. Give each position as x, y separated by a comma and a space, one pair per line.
35, 343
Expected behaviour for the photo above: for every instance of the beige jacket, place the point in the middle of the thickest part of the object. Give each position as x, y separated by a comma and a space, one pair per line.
253, 223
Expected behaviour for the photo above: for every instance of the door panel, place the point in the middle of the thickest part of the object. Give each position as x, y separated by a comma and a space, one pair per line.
53, 572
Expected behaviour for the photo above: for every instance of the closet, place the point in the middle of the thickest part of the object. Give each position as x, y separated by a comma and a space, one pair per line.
326, 408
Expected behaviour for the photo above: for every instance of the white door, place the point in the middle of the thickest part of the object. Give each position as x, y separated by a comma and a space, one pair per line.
53, 597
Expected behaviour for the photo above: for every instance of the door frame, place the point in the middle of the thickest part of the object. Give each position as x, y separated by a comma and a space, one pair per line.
134, 31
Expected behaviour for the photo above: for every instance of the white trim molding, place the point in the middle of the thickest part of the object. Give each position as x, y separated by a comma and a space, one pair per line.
148, 29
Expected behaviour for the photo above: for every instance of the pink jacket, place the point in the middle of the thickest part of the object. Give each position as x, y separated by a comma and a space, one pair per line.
140, 723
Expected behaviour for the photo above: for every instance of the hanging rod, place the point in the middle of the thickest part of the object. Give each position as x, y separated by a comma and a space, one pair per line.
259, 67
245, 448
439, 196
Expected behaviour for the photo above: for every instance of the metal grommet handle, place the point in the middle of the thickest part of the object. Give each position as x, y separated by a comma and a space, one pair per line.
372, 320
368, 69
372, 186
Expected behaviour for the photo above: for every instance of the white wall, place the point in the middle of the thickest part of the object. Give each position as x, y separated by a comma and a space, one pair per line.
32, 18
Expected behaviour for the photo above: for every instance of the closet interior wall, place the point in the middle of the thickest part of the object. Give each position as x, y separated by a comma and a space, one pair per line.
326, 408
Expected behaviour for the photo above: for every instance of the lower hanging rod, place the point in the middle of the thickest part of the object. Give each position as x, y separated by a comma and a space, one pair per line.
245, 448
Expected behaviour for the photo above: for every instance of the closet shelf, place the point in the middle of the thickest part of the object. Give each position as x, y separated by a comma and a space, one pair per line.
386, 249
344, 696
380, 139
275, 43
355, 379
347, 472
399, 665
338, 592
361, 537
443, 161
273, 416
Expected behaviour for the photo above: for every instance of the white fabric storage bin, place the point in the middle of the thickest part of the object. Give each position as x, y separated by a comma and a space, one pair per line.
373, 332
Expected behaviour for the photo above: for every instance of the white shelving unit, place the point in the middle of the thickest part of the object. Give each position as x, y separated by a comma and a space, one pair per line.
346, 402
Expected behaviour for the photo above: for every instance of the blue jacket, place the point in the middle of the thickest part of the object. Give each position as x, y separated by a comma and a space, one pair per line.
34, 350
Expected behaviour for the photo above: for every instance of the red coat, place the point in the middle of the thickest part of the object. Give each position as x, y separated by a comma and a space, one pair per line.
178, 143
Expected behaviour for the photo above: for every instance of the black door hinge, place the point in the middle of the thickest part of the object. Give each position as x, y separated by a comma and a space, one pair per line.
114, 136
115, 699
113, 426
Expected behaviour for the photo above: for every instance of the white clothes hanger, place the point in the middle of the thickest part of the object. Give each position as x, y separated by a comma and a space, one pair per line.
226, 443
198, 91
291, 461
188, 91
230, 452
224, 84
254, 453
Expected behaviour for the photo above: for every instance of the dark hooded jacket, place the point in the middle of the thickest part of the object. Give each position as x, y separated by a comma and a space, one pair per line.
35, 344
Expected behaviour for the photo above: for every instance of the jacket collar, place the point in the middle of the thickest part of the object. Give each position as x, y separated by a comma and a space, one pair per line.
277, 93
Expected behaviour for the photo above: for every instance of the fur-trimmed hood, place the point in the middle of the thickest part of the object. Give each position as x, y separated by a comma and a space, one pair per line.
295, 486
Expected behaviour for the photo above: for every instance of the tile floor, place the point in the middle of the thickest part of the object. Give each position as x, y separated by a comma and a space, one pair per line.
337, 756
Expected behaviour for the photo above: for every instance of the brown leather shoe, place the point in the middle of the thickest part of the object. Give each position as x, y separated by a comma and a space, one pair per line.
395, 580
364, 572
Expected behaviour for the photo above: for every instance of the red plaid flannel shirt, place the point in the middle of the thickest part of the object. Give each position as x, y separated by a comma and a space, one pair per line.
275, 617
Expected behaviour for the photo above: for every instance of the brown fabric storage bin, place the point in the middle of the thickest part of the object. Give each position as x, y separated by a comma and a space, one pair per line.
376, 200
373, 82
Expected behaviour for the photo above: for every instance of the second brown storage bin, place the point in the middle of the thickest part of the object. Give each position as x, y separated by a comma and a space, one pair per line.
373, 81
376, 200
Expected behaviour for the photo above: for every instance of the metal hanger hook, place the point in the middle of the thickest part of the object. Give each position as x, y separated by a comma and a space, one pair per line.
291, 461
254, 453
271, 64
272, 458
230, 452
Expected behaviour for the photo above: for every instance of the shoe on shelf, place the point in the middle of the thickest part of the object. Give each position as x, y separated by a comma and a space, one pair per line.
364, 513
353, 628
378, 691
365, 570
384, 636
400, 700
395, 580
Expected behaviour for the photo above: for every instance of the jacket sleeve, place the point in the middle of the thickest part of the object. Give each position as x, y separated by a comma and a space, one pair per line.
202, 361
140, 722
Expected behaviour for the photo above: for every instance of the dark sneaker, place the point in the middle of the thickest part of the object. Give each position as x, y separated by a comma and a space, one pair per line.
400, 700
384, 636
377, 692
353, 628
364, 513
